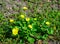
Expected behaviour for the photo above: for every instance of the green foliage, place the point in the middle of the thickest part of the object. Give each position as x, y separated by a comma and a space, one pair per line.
29, 30
32, 25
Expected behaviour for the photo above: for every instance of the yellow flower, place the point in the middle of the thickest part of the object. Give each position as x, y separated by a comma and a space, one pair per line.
35, 18
15, 31
27, 19
22, 16
25, 8
30, 26
48, 23
11, 20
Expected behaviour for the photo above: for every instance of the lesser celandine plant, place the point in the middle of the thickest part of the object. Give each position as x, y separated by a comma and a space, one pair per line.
43, 21
27, 29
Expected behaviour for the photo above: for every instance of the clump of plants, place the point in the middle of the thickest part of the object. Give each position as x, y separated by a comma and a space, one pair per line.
26, 29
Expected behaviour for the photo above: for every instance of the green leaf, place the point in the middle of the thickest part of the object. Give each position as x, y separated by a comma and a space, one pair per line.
31, 40
33, 29
50, 31
45, 36
38, 36
21, 42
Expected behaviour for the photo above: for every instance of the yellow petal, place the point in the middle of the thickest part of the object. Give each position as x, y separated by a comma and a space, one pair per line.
48, 23
35, 18
27, 19
30, 26
25, 8
22, 16
11, 20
